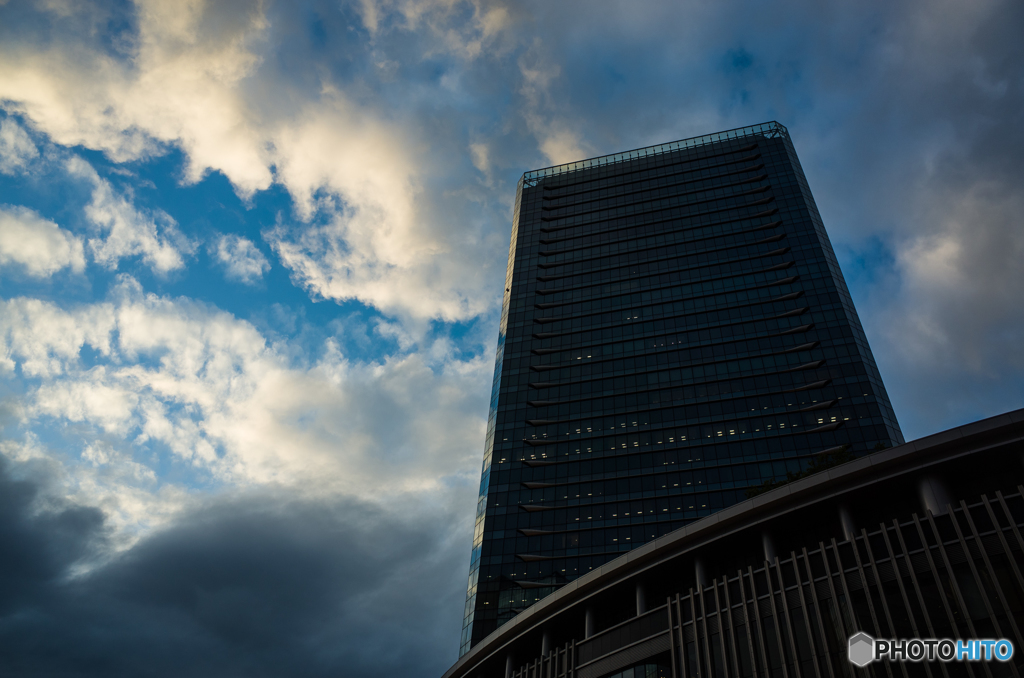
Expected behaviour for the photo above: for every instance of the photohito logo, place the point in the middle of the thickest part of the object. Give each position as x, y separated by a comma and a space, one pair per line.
863, 649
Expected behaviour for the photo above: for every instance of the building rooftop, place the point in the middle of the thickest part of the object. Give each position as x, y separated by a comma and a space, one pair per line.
766, 129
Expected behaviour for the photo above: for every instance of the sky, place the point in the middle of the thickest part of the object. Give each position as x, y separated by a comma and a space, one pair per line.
251, 268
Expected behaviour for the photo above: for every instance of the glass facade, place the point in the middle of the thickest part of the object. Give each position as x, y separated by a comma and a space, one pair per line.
675, 333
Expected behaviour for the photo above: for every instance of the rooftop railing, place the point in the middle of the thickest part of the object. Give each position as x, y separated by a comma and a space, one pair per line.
768, 130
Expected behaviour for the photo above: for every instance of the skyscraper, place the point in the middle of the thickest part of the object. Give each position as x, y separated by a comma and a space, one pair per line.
675, 333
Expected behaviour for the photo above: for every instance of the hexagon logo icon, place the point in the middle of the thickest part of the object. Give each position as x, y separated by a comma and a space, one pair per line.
862, 649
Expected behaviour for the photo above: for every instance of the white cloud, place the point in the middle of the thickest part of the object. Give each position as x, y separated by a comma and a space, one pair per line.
453, 33
480, 153
16, 148
241, 259
559, 140
179, 86
378, 237
370, 15
194, 77
179, 377
132, 501
45, 341
126, 231
961, 280
91, 397
39, 246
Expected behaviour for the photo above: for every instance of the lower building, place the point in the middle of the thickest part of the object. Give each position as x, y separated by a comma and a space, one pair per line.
923, 540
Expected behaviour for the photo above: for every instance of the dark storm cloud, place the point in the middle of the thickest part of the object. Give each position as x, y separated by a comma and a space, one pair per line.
38, 548
256, 585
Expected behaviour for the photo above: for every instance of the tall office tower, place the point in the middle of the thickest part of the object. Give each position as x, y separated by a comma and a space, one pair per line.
675, 331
